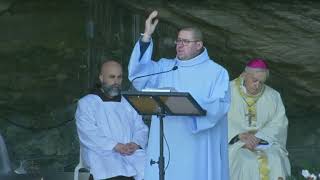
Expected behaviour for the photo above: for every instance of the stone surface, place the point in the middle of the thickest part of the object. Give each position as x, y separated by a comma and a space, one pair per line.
278, 32
42, 52
44, 67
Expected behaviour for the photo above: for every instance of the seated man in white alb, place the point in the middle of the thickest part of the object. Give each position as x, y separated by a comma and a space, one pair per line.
112, 135
257, 127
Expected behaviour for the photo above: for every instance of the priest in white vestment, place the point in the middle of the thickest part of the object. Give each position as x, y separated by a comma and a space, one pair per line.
112, 135
257, 127
196, 146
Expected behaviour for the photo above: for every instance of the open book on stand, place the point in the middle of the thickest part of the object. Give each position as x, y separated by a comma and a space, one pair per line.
158, 90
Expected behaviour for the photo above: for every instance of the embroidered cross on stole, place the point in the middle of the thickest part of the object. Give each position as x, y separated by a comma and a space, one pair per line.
251, 102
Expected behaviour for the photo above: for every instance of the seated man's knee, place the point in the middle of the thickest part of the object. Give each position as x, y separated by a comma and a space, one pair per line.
246, 156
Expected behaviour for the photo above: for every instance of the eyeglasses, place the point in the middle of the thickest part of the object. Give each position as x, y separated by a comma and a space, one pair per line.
184, 41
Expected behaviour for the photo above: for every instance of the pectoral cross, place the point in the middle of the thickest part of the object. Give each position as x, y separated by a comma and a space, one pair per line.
250, 116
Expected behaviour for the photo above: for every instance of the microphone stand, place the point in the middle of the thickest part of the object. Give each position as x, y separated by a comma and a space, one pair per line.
160, 161
160, 115
138, 77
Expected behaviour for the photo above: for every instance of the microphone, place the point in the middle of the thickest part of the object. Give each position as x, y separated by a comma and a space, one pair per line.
131, 84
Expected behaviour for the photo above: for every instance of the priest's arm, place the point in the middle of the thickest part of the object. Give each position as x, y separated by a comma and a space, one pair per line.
141, 64
140, 132
216, 105
275, 130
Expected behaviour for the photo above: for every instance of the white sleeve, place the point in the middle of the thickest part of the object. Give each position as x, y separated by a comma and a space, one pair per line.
217, 105
142, 66
89, 133
140, 134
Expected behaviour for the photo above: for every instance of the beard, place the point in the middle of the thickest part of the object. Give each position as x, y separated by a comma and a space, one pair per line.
111, 90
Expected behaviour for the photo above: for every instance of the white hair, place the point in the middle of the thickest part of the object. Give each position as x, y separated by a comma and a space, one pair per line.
257, 70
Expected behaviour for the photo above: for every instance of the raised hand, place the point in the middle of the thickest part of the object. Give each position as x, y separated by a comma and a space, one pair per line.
150, 26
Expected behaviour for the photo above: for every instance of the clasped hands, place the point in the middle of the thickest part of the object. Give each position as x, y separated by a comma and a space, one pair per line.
250, 140
126, 149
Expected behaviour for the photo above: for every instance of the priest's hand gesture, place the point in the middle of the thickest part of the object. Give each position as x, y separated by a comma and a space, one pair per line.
132, 147
126, 149
250, 140
122, 149
150, 26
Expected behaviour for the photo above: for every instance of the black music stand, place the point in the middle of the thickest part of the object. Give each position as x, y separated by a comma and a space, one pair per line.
163, 104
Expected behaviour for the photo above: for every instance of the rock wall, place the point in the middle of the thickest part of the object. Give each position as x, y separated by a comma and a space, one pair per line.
46, 65
42, 73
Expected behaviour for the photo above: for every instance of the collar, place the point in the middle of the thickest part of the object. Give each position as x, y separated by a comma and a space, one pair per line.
103, 97
202, 57
243, 91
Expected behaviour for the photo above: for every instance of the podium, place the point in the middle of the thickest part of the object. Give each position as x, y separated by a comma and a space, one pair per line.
163, 104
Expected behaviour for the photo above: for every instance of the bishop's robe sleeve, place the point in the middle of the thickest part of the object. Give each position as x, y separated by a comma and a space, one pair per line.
142, 64
89, 134
275, 131
140, 132
217, 105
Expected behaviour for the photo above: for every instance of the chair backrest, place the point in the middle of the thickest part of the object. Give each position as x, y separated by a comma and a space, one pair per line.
80, 165
5, 165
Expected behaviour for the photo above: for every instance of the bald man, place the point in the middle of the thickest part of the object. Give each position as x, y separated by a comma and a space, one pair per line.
112, 135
